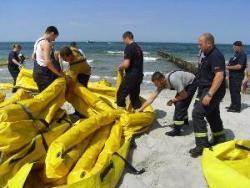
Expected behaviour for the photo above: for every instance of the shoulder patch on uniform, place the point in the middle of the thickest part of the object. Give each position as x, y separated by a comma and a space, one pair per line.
216, 68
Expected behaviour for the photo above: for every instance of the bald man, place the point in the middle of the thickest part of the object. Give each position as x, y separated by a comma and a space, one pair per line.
211, 90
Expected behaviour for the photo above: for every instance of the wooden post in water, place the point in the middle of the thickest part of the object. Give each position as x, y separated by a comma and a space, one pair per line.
185, 65
188, 66
3, 64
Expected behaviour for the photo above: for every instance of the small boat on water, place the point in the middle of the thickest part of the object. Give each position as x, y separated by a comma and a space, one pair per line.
89, 41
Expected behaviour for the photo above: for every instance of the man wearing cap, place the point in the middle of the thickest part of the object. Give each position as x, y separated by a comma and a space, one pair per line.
236, 67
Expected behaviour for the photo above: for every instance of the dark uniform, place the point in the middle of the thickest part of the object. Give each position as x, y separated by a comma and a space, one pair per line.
236, 78
213, 62
133, 78
13, 68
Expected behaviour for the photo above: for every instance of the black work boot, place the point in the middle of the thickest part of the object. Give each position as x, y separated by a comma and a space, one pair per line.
201, 143
175, 132
171, 125
219, 139
234, 110
196, 151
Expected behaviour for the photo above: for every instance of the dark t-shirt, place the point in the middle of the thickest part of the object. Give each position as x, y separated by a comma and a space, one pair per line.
238, 58
213, 62
13, 55
134, 53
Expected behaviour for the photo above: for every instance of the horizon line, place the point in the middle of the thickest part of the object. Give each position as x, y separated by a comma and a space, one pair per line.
97, 41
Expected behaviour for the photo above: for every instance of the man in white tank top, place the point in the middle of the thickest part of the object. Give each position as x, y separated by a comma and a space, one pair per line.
45, 71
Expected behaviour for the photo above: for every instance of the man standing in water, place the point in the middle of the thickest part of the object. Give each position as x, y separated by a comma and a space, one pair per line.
236, 67
133, 66
45, 68
211, 90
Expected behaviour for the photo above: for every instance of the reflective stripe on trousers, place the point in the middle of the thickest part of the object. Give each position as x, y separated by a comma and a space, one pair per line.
179, 123
219, 133
200, 135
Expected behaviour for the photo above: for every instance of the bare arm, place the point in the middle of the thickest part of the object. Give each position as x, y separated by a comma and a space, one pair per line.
125, 64
150, 100
218, 79
16, 62
46, 52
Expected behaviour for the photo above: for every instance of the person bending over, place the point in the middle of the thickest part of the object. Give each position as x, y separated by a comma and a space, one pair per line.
79, 69
185, 84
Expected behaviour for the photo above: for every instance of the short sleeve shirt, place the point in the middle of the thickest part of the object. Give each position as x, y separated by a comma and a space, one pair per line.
179, 80
238, 58
134, 53
213, 62
13, 55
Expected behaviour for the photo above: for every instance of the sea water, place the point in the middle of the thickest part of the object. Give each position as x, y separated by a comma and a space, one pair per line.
104, 57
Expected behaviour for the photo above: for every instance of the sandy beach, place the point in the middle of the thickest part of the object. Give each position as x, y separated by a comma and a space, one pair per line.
166, 159
73, 75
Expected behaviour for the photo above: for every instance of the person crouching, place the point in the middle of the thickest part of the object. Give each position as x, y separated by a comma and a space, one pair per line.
185, 84
79, 69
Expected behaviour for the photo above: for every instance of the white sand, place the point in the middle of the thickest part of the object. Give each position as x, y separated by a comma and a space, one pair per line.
166, 159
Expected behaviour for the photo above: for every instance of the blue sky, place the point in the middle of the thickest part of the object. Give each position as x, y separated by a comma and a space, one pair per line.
106, 20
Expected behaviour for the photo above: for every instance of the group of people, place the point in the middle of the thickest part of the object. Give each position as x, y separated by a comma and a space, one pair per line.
47, 65
209, 81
